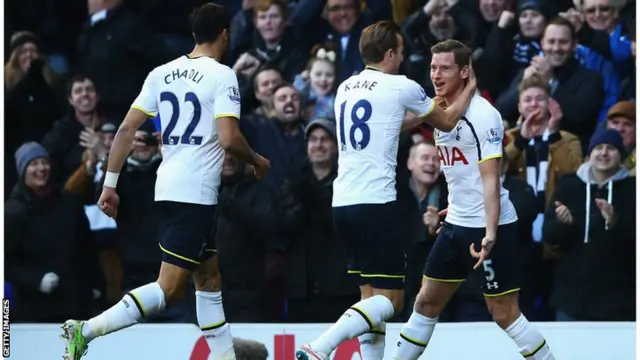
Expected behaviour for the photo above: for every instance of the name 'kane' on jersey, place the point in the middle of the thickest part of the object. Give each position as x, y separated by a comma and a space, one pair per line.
189, 94
370, 109
476, 138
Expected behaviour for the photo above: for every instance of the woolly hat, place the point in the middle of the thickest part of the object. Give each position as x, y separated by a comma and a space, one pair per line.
607, 136
27, 153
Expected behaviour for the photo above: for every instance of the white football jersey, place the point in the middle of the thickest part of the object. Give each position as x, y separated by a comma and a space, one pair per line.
189, 94
370, 108
476, 138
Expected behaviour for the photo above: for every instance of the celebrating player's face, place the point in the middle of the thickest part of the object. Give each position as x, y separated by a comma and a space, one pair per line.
286, 104
446, 75
424, 163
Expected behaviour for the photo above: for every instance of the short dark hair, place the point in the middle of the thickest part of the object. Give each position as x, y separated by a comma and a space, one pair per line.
76, 79
207, 22
534, 81
377, 39
262, 68
560, 21
461, 52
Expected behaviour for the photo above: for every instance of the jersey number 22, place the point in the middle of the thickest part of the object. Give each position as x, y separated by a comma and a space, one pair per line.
359, 123
186, 138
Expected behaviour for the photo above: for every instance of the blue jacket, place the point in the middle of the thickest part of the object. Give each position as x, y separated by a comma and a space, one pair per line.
609, 55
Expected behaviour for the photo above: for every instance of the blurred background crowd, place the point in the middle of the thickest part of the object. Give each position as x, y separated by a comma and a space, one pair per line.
561, 72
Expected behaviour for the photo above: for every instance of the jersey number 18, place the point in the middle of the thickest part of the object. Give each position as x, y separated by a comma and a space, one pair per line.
359, 123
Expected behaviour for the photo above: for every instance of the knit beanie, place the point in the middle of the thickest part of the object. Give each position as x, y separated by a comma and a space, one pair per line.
27, 153
607, 136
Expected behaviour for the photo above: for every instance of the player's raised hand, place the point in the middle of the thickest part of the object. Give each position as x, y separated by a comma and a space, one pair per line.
563, 214
261, 167
108, 202
486, 246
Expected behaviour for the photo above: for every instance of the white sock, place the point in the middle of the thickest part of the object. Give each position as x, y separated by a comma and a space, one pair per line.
414, 337
360, 318
529, 340
136, 304
372, 343
213, 324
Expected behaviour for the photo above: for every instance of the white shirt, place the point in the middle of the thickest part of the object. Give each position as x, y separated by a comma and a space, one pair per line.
370, 108
189, 94
476, 138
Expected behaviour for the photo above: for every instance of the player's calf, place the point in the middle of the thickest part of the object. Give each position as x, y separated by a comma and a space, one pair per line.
416, 333
139, 303
210, 312
372, 342
506, 313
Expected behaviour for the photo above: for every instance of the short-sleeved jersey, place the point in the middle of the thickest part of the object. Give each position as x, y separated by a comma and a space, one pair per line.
370, 108
476, 138
189, 94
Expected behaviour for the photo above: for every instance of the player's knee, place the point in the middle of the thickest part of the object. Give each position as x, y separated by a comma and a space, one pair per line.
504, 309
172, 282
428, 305
173, 291
395, 296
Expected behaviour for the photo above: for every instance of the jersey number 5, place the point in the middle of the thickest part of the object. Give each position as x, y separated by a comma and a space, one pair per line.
186, 138
359, 123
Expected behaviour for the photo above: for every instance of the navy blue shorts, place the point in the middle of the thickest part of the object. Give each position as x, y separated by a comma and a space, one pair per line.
450, 260
370, 236
185, 232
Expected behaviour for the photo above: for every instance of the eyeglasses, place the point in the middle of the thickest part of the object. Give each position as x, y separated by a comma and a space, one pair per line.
602, 9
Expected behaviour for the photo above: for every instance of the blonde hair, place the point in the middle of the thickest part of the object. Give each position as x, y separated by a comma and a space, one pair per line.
12, 72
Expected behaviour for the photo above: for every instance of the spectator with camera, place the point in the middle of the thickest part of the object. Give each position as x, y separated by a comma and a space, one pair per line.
591, 217
50, 259
137, 237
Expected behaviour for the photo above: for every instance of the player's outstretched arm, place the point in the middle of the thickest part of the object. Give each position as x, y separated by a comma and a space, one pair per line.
121, 146
233, 142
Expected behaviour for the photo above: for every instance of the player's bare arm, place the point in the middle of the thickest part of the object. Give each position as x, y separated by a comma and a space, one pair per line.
490, 173
233, 142
411, 120
446, 119
120, 149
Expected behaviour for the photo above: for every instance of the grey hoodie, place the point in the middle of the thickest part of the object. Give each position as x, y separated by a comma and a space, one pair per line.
585, 174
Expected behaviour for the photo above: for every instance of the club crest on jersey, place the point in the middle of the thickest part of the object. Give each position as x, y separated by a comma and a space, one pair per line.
234, 94
494, 136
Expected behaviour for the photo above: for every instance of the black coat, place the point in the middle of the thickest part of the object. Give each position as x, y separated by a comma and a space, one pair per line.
48, 235
594, 280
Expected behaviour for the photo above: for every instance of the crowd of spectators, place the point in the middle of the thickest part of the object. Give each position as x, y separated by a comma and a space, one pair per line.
561, 73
